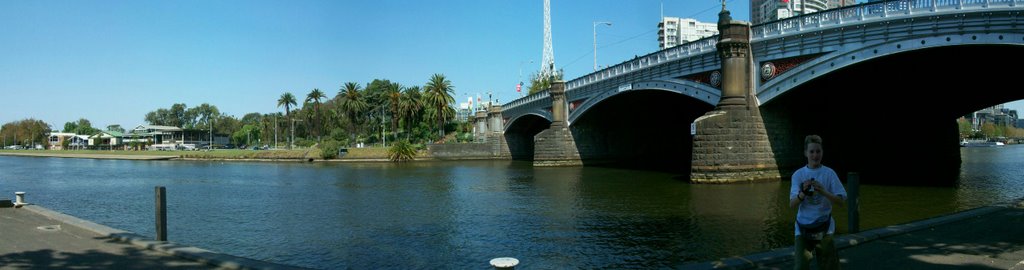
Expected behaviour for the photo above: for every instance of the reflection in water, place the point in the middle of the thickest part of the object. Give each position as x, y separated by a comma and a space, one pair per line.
461, 214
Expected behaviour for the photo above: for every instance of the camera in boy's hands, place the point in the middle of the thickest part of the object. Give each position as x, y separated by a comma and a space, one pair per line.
809, 191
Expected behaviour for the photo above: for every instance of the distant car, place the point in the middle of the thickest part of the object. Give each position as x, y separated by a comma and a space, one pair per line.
14, 147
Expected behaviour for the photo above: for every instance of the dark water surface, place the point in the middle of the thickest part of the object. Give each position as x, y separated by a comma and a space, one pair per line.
459, 215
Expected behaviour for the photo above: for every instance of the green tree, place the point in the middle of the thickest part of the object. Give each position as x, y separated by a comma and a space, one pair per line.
329, 149
70, 127
540, 83
964, 127
989, 130
25, 132
410, 107
314, 97
394, 94
439, 96
351, 102
287, 100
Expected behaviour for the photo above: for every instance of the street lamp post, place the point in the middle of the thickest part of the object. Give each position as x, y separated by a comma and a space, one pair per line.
595, 41
521, 77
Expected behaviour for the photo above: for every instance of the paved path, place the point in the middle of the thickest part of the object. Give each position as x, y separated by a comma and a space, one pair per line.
32, 241
983, 238
33, 237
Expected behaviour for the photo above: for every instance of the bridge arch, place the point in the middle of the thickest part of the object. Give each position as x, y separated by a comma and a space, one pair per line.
519, 133
639, 128
893, 117
854, 53
697, 91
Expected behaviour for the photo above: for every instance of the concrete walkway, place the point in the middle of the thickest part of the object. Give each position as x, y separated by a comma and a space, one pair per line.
982, 238
34, 237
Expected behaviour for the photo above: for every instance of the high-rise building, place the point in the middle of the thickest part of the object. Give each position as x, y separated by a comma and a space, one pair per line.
762, 11
673, 31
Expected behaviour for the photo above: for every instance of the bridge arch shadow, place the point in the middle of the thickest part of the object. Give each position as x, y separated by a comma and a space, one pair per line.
641, 129
521, 132
893, 118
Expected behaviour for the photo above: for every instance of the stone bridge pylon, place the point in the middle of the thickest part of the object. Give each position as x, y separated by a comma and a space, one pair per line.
731, 143
556, 146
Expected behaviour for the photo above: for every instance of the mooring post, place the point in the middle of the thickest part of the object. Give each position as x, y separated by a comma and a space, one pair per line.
853, 201
19, 198
161, 214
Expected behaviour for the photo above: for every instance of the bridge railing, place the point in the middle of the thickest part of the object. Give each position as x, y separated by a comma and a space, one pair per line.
871, 11
682, 51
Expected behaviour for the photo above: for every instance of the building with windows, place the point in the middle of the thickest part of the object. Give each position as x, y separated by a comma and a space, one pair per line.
762, 11
998, 115
74, 141
673, 31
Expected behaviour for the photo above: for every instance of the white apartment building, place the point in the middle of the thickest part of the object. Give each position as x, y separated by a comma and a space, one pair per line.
673, 31
762, 11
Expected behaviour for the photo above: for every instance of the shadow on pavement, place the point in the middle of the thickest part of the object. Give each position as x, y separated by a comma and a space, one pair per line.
90, 259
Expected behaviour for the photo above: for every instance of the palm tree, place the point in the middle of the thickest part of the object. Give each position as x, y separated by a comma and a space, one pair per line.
351, 102
394, 94
439, 96
315, 96
410, 106
287, 100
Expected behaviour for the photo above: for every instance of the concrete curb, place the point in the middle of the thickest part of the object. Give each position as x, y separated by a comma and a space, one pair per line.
221, 260
785, 254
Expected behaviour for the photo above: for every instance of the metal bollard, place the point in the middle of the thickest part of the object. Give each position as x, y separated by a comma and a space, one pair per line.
503, 263
19, 199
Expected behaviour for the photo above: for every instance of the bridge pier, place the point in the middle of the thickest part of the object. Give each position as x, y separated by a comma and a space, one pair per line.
495, 135
731, 144
555, 146
480, 127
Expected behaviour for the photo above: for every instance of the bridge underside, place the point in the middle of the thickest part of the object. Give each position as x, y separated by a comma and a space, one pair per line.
893, 119
648, 129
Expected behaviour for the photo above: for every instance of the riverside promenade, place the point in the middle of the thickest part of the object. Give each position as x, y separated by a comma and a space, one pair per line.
33, 237
982, 238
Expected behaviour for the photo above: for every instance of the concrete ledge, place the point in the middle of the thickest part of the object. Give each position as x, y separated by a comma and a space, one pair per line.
221, 260
779, 255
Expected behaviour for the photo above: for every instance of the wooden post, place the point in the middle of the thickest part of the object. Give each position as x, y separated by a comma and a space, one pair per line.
853, 201
161, 214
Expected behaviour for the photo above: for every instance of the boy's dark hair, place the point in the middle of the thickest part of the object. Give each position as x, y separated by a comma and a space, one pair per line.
811, 139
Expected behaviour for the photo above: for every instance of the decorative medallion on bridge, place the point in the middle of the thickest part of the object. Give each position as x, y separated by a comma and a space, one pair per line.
715, 78
767, 71
712, 78
576, 104
771, 70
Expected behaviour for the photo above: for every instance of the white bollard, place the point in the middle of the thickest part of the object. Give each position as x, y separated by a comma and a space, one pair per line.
19, 198
504, 263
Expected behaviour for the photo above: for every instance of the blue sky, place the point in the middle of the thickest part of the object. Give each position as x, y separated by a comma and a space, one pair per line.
113, 61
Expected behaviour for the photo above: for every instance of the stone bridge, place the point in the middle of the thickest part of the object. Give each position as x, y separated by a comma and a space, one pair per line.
883, 83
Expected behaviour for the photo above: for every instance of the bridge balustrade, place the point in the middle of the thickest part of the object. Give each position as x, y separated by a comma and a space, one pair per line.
870, 11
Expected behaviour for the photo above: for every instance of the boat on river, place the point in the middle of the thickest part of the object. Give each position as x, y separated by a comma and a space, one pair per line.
980, 143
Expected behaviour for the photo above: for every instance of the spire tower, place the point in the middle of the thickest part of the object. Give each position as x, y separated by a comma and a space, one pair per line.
547, 63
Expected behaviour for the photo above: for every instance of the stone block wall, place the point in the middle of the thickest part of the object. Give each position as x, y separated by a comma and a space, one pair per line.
731, 145
556, 147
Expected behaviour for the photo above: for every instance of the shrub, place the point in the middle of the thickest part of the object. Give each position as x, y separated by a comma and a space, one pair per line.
401, 151
329, 149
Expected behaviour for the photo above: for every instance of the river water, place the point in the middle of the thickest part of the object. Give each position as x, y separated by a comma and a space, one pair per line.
461, 214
